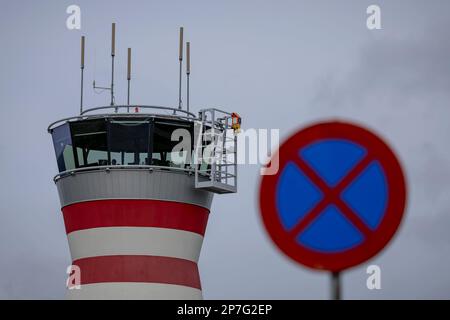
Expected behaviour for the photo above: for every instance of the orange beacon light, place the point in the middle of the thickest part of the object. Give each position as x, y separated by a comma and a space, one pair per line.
236, 122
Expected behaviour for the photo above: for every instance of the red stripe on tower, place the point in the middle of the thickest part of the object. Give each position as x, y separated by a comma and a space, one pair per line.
152, 269
135, 213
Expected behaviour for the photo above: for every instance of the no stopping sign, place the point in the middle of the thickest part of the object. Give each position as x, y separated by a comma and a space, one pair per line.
337, 199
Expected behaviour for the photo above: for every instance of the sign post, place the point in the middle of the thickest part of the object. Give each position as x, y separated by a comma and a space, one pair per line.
336, 286
337, 199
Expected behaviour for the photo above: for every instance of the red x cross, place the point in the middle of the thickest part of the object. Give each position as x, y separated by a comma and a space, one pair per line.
332, 196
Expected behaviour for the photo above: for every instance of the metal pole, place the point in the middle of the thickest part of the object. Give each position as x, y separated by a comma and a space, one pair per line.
128, 99
180, 58
129, 78
335, 286
188, 71
112, 81
179, 90
82, 73
82, 82
187, 97
113, 53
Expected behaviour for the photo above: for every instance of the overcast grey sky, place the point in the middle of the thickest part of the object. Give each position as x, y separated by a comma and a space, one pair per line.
280, 64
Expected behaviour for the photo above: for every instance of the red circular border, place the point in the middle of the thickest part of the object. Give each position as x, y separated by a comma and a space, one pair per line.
372, 244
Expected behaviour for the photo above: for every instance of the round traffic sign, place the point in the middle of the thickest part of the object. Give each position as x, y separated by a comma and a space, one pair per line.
337, 199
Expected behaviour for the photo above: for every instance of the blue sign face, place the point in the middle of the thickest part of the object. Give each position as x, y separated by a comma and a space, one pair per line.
297, 195
337, 199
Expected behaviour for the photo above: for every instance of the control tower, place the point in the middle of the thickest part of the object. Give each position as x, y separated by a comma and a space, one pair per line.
135, 215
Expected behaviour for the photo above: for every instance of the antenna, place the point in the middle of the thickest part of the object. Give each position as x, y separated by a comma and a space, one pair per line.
82, 72
113, 54
188, 71
180, 58
129, 78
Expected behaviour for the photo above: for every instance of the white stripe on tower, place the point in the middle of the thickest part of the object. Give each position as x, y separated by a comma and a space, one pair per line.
134, 291
149, 241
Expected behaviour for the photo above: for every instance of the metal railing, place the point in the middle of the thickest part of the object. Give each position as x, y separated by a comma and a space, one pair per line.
175, 114
109, 168
117, 107
220, 173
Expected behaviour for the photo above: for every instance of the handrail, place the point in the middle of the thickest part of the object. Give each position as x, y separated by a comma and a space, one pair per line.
215, 122
219, 110
116, 107
117, 115
118, 167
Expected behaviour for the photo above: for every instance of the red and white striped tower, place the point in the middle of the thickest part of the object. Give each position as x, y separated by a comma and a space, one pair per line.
135, 217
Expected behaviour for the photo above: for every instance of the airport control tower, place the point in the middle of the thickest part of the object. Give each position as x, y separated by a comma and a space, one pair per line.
136, 205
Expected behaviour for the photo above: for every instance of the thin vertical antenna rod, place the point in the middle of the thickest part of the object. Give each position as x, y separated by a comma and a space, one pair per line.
82, 72
180, 58
129, 78
113, 54
188, 72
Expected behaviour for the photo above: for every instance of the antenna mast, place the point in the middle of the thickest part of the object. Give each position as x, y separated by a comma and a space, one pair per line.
129, 78
82, 73
180, 58
113, 54
188, 71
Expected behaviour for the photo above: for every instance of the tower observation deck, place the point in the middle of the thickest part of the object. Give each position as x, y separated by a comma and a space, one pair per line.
136, 185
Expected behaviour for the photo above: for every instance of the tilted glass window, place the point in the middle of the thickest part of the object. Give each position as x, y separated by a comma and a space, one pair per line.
90, 143
129, 142
123, 141
163, 145
62, 142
